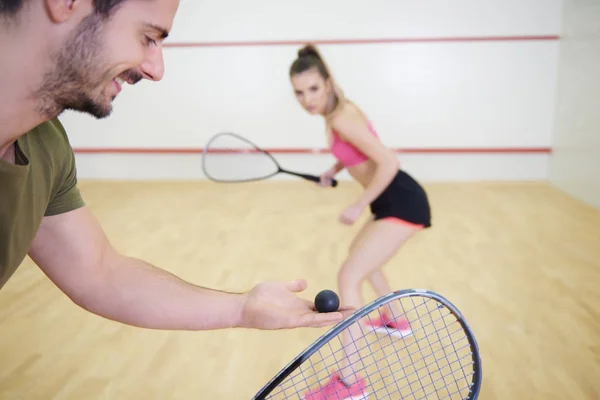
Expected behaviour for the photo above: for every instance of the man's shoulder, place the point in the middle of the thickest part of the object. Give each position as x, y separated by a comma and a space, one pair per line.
51, 130
52, 156
48, 139
57, 126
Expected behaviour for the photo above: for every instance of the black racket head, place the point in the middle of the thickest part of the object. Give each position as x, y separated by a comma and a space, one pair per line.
435, 356
229, 157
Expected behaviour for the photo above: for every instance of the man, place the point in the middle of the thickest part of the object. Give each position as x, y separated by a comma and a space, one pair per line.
76, 54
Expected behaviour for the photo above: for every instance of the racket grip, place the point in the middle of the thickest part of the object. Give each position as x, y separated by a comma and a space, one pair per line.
313, 178
317, 179
334, 182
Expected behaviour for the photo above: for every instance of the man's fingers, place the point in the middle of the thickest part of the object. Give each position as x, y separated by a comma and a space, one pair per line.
325, 319
346, 312
313, 318
346, 309
321, 319
309, 304
297, 286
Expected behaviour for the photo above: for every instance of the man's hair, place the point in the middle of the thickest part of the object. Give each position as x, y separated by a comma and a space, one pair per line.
10, 8
106, 7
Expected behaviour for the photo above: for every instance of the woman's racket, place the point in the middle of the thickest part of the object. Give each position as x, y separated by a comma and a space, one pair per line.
228, 157
439, 359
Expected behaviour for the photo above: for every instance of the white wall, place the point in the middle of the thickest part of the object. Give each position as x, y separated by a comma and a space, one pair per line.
419, 95
575, 164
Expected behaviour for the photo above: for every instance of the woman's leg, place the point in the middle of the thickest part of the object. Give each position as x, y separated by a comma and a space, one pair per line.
377, 278
362, 233
376, 244
380, 284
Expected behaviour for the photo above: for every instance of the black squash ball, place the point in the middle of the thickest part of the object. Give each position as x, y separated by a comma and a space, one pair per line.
327, 301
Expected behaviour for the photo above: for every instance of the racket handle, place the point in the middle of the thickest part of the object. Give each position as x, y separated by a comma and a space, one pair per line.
313, 178
333, 182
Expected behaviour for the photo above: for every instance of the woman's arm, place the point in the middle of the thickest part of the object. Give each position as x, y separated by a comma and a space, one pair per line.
352, 127
336, 168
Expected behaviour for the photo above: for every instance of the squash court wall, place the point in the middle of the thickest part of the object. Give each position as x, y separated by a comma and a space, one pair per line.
575, 163
464, 90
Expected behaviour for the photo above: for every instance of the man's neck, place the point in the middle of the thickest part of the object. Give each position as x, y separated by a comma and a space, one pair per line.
9, 154
21, 72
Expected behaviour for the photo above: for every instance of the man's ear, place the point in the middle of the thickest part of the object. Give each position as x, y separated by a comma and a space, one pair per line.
61, 10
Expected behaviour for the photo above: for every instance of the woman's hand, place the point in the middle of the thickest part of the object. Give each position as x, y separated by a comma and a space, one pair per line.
351, 214
327, 177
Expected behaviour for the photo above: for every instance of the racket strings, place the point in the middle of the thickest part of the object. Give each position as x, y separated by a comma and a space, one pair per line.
316, 371
435, 362
230, 158
452, 343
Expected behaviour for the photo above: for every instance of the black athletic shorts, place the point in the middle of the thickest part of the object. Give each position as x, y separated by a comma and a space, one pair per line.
403, 199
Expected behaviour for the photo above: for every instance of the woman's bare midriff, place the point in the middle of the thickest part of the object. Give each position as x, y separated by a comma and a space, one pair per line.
362, 173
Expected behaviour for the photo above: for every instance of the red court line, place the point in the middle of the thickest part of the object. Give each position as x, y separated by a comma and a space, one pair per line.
466, 150
297, 42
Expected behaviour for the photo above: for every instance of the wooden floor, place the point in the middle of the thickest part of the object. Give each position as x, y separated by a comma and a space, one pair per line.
522, 261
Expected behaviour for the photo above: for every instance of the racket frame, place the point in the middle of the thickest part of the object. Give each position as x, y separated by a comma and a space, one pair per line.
477, 376
206, 150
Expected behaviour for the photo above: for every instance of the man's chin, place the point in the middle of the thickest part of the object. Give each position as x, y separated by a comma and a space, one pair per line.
95, 110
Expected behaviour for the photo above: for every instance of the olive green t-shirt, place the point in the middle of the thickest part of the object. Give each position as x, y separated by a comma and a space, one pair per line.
42, 182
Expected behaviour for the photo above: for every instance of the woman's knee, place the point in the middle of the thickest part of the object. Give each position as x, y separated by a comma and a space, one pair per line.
349, 276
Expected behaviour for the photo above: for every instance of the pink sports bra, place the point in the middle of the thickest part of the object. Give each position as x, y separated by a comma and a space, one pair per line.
345, 152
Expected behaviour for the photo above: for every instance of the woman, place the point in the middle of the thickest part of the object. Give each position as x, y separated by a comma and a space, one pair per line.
398, 204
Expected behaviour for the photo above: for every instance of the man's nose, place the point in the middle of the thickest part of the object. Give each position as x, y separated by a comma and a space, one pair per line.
154, 67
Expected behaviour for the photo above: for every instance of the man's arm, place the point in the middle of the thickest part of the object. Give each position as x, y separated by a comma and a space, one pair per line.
75, 254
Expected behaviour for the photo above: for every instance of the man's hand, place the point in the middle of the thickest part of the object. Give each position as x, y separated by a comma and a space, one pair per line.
74, 253
273, 305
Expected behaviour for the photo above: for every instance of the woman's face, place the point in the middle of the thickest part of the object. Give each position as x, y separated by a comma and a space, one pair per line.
312, 91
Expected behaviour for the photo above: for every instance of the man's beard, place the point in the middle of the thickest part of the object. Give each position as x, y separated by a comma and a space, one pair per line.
77, 73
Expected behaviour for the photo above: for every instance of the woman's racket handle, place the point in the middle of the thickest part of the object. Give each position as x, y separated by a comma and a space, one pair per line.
313, 178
